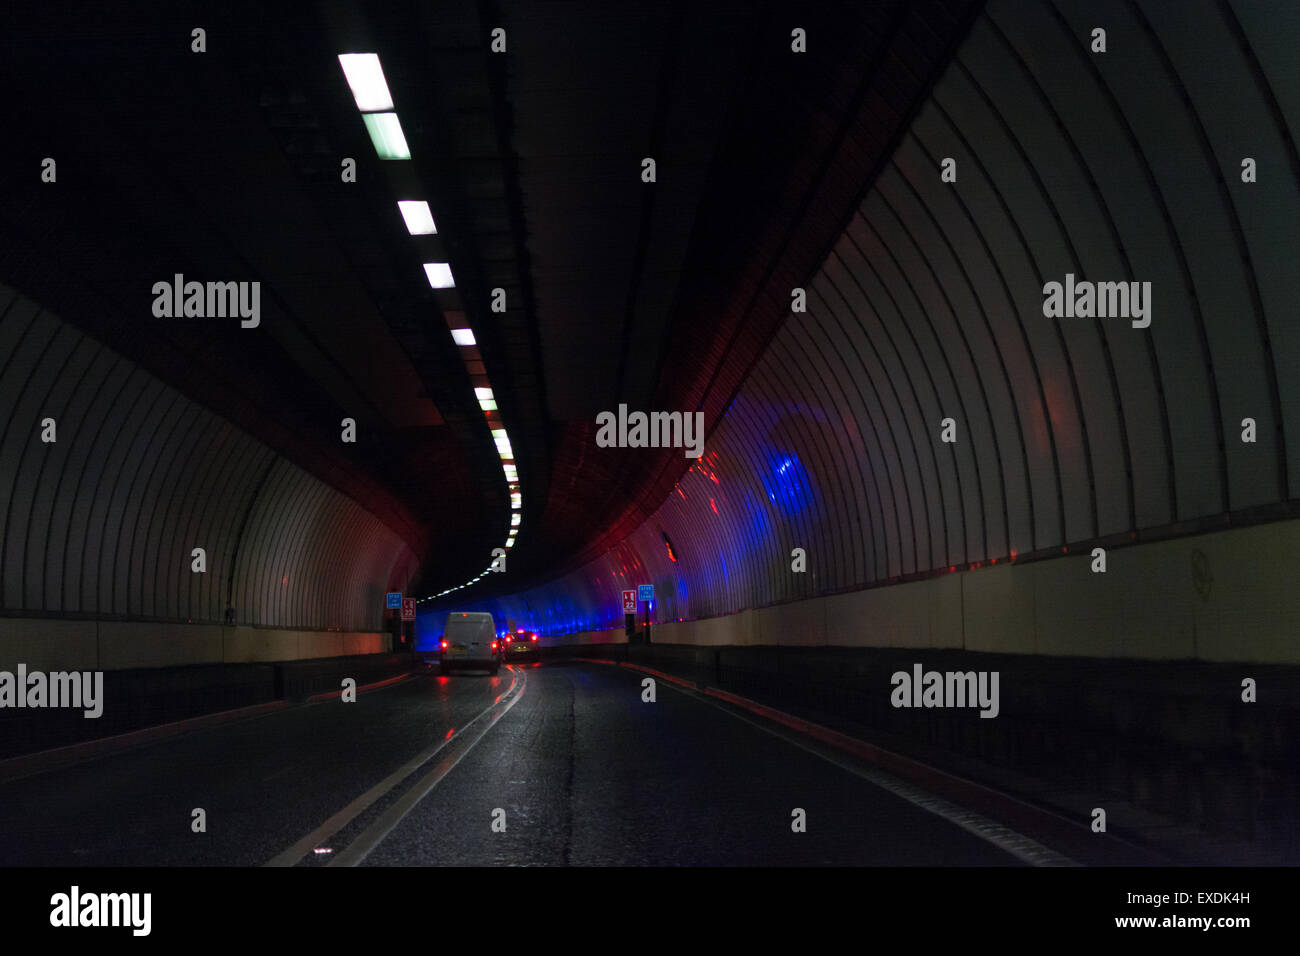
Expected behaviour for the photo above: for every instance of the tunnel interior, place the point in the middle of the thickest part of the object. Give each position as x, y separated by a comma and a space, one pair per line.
945, 335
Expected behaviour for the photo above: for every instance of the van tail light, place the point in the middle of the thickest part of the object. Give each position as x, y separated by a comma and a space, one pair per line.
494, 645
444, 645
534, 637
509, 640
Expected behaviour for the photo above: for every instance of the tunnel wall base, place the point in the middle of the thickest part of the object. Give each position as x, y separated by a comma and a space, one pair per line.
1221, 596
49, 644
137, 698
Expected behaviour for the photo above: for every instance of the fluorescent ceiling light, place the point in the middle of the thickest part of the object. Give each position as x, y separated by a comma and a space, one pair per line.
386, 133
481, 393
510, 543
513, 532
463, 336
514, 520
366, 77
487, 405
514, 499
499, 433
439, 274
418, 217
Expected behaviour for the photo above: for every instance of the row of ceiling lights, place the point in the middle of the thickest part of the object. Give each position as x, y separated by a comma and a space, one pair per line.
370, 90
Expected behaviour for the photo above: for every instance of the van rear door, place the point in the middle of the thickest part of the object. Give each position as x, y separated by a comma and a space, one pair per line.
469, 637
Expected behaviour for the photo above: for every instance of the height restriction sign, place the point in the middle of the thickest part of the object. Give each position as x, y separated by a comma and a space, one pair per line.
629, 602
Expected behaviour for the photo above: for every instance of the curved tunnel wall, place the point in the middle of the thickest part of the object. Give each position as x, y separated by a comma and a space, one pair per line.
102, 522
1123, 166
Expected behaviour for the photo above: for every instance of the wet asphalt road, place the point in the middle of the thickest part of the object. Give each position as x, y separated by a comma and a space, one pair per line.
579, 771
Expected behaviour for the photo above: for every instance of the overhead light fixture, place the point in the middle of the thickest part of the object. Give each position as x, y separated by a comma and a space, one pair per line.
463, 336
386, 133
481, 393
510, 543
418, 217
488, 405
514, 500
439, 274
514, 520
366, 77
499, 433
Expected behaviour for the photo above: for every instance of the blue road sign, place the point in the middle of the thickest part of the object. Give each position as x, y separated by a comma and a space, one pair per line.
394, 600
645, 592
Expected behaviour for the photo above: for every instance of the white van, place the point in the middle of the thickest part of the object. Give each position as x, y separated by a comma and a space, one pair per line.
469, 640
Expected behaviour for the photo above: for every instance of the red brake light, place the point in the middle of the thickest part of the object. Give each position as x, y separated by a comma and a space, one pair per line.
494, 645
509, 640
534, 637
444, 645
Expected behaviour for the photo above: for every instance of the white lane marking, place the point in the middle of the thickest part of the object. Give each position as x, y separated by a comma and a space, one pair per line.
338, 821
1009, 841
373, 835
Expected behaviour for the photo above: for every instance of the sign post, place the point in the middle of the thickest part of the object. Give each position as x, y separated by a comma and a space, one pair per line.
629, 613
646, 593
393, 602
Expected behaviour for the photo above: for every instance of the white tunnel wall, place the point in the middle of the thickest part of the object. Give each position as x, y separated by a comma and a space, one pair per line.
101, 523
1120, 166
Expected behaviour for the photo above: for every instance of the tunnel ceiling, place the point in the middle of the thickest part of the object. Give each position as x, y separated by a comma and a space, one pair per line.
225, 166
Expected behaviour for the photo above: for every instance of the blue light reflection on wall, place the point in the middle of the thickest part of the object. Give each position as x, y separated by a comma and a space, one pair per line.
786, 483
725, 558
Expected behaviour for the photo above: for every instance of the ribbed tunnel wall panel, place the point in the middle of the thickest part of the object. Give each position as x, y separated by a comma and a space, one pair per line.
1122, 166
102, 522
